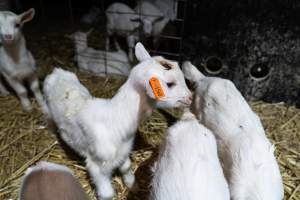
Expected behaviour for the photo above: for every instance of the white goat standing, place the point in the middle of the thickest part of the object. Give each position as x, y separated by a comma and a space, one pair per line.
188, 166
248, 156
153, 19
99, 62
16, 63
47, 181
122, 21
102, 130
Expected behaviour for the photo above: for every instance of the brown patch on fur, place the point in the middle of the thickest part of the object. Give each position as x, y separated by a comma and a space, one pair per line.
50, 185
166, 65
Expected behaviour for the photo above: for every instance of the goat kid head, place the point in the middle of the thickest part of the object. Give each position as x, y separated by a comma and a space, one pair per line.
218, 98
80, 39
11, 24
162, 80
80, 36
147, 23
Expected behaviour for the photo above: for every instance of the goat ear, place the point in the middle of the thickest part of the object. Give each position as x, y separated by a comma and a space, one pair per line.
27, 15
155, 88
191, 72
141, 53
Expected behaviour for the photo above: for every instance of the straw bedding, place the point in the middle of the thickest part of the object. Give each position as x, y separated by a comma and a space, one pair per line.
25, 140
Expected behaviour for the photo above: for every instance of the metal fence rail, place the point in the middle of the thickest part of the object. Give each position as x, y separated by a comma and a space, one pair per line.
175, 39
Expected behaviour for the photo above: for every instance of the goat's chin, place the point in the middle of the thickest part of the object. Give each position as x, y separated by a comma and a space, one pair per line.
164, 104
171, 104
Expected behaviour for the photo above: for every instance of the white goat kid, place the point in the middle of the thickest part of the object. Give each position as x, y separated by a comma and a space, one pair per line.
102, 130
122, 21
16, 63
47, 181
153, 19
99, 62
248, 156
188, 166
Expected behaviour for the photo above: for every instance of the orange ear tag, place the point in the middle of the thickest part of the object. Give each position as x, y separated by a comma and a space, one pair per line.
156, 88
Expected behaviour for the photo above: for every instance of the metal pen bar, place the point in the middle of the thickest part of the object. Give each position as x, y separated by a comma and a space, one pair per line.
107, 38
165, 53
43, 11
137, 14
179, 20
170, 37
71, 12
182, 32
182, 5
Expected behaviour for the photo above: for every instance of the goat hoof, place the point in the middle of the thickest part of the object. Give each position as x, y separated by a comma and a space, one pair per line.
27, 108
106, 194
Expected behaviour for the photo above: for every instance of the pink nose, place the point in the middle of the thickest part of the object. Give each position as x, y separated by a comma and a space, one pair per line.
8, 37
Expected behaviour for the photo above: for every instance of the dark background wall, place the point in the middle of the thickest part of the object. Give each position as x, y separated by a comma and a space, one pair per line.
208, 16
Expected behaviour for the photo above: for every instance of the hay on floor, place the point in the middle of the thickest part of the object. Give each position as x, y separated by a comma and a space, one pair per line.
24, 140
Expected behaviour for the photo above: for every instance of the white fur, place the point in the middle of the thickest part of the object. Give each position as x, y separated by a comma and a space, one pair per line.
191, 73
102, 130
141, 53
99, 62
248, 156
16, 62
122, 21
188, 166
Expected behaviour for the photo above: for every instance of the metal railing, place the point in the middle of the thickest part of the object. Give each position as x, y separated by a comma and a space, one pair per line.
175, 39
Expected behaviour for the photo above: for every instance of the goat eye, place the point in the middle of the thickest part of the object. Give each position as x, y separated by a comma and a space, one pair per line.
213, 65
259, 70
171, 84
17, 25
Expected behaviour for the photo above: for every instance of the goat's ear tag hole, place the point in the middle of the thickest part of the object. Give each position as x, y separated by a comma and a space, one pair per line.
156, 88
